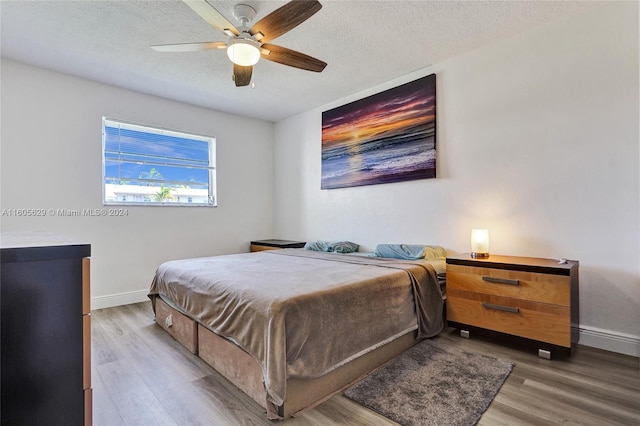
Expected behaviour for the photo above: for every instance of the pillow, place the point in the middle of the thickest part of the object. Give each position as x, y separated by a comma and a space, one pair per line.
332, 246
409, 251
434, 252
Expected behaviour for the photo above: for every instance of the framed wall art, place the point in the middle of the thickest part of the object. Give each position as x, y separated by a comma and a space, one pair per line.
383, 138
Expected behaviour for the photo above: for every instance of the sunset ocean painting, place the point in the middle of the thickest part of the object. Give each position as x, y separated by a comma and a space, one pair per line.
384, 138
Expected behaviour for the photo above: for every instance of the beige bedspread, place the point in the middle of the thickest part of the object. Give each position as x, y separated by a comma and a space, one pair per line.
300, 313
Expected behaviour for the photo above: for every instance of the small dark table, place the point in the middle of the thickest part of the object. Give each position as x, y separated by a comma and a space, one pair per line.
259, 245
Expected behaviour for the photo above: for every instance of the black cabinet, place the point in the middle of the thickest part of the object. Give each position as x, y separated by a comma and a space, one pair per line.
45, 332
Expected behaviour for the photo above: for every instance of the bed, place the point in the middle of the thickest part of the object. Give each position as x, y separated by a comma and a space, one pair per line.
293, 327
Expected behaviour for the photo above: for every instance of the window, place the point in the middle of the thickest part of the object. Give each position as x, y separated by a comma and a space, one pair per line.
156, 167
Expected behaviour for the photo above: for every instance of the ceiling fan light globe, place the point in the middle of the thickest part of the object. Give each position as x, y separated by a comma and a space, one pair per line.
243, 53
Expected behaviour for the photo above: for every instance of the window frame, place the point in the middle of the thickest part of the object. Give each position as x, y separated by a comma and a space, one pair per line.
212, 199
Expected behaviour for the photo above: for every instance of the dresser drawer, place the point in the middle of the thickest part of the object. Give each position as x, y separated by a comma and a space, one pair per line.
88, 407
533, 320
533, 286
86, 286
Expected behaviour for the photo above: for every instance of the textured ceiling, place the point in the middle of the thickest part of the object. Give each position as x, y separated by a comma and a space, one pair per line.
365, 43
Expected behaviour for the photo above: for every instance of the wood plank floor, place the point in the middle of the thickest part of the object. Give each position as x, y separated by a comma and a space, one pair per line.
141, 376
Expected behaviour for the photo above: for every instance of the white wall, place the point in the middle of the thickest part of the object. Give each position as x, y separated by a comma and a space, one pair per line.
537, 140
51, 158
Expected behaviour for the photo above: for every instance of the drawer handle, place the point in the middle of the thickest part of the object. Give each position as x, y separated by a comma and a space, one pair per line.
501, 308
500, 281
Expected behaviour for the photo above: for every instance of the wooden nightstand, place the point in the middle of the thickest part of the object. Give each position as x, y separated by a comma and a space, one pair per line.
260, 245
532, 298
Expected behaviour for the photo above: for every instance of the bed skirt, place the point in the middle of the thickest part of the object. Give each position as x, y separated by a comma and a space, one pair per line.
244, 372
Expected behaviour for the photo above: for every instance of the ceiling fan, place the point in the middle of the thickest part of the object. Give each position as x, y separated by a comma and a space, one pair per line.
246, 44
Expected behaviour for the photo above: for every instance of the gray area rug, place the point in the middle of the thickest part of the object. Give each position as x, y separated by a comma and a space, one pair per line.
433, 384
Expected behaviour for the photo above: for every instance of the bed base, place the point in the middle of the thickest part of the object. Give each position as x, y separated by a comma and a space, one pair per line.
178, 325
244, 372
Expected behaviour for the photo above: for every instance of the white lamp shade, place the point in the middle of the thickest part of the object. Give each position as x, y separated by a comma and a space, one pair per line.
479, 242
243, 53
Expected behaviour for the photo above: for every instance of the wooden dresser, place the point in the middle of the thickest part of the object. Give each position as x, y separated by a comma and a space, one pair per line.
259, 245
45, 322
532, 298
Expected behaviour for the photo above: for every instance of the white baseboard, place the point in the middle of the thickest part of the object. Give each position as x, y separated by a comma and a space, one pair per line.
119, 299
609, 340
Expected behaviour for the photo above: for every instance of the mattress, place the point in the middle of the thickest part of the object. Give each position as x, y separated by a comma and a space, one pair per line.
302, 314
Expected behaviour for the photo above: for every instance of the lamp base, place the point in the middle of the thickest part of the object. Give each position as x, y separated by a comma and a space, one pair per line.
477, 255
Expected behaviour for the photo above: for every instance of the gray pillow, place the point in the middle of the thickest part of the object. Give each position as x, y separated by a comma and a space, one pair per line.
332, 246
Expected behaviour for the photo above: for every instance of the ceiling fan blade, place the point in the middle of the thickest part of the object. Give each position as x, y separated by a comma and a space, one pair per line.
289, 57
242, 75
189, 47
211, 15
284, 19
